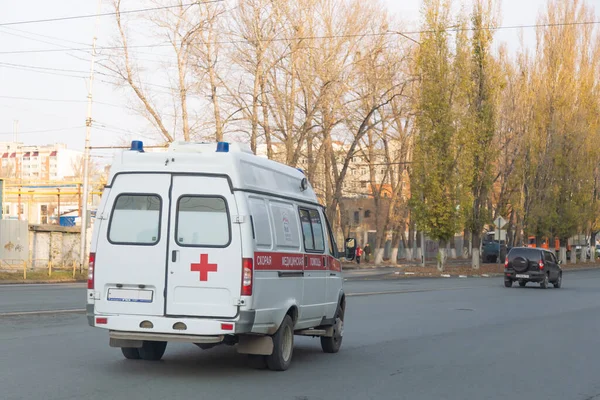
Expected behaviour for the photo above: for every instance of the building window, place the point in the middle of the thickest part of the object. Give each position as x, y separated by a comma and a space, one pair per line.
356, 217
367, 213
363, 184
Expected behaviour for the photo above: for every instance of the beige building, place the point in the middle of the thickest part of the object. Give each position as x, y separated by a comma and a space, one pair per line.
33, 163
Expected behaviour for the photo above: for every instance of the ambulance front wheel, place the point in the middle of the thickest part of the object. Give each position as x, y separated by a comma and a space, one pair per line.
283, 346
152, 351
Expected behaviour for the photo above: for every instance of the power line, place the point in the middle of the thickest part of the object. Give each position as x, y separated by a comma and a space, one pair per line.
71, 17
57, 100
42, 72
46, 36
44, 130
43, 68
362, 35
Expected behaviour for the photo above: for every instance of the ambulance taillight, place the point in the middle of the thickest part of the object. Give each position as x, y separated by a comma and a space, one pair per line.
91, 270
247, 272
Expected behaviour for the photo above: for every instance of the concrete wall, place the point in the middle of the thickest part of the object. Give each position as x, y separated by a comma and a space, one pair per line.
13, 241
58, 244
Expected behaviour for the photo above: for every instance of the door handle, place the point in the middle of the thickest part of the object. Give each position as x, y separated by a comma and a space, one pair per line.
174, 255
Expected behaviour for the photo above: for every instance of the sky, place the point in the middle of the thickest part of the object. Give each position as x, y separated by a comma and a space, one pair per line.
49, 100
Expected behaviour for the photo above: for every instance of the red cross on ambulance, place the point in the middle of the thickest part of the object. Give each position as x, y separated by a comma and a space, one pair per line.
203, 267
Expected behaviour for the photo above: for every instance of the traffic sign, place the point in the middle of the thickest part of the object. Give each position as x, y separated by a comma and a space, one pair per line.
500, 222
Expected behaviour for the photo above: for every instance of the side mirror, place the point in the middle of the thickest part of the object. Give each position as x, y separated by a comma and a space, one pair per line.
350, 248
559, 262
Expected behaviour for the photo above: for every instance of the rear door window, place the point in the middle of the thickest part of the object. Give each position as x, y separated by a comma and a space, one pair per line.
202, 221
528, 253
135, 219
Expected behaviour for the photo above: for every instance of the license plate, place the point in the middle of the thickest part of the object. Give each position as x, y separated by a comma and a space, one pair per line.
130, 295
521, 276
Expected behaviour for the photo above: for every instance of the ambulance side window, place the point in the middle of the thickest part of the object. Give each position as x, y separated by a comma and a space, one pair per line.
317, 228
312, 230
135, 219
309, 244
260, 220
202, 221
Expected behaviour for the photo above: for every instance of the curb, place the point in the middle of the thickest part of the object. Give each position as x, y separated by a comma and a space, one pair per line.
36, 282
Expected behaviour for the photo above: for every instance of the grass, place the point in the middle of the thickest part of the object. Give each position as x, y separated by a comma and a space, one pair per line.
42, 275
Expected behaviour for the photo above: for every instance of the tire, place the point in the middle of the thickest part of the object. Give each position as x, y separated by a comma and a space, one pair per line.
558, 282
544, 284
283, 346
332, 344
522, 283
152, 351
131, 353
508, 283
257, 361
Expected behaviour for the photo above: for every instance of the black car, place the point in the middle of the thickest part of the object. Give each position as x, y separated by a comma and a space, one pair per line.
525, 264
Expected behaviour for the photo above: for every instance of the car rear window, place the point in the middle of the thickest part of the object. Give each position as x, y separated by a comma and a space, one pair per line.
530, 254
135, 219
202, 221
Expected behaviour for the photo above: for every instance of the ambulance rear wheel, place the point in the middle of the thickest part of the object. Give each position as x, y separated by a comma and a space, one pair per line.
130, 353
283, 346
152, 351
332, 344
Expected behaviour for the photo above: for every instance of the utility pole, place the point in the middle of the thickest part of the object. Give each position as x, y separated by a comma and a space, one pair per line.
86, 150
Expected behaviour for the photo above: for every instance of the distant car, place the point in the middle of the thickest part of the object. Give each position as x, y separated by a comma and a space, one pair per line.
598, 250
491, 249
525, 264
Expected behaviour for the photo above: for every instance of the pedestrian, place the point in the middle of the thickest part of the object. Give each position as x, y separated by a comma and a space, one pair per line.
367, 251
359, 253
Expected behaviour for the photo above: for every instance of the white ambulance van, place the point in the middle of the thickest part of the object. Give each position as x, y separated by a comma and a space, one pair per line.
210, 244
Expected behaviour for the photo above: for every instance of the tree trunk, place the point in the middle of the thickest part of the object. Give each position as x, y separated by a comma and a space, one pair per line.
475, 254
563, 251
464, 250
584, 252
379, 255
442, 255
397, 237
453, 248
419, 253
409, 249
266, 124
573, 255
593, 247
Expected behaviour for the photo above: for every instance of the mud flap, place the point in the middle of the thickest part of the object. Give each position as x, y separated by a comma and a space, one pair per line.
259, 345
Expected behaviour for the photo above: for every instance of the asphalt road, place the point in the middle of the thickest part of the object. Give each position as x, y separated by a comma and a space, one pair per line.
432, 339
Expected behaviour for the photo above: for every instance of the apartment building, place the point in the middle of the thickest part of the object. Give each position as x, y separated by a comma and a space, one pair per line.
38, 163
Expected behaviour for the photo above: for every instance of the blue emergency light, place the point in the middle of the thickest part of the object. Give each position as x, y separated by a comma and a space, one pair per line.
137, 145
222, 147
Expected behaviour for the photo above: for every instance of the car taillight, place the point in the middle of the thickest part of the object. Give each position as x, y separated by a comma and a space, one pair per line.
506, 262
247, 277
541, 264
91, 270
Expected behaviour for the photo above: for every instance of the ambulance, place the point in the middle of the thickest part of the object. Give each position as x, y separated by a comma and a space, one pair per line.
209, 244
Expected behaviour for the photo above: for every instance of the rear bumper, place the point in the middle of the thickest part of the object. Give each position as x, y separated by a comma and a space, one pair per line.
130, 324
533, 276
